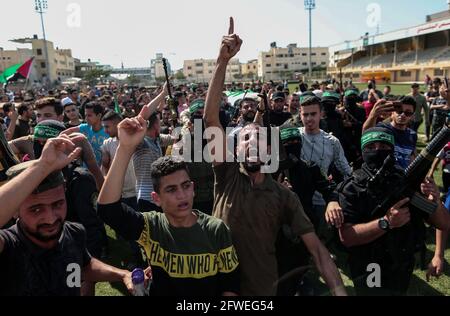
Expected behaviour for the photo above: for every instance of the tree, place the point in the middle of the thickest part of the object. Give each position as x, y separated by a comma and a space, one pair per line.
133, 80
93, 75
180, 75
160, 79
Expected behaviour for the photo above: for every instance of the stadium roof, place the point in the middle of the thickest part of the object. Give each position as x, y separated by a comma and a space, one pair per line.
427, 28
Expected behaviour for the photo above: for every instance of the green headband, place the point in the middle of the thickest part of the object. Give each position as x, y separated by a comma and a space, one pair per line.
372, 137
45, 132
289, 133
52, 181
307, 98
196, 105
351, 92
329, 94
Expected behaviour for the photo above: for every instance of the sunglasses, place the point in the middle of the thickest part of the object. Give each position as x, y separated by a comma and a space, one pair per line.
407, 113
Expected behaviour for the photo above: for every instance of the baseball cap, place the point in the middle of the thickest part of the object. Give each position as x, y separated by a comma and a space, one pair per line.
278, 96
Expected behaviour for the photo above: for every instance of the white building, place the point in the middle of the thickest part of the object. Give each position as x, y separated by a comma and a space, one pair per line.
201, 70
157, 67
283, 63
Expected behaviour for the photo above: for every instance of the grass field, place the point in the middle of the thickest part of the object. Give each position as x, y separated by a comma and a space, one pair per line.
120, 254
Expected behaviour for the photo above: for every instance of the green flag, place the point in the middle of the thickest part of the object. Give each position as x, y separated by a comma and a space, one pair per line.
17, 71
9, 72
116, 104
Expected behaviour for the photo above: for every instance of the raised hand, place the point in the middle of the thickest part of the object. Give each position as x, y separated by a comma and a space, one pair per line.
231, 44
132, 132
58, 153
382, 107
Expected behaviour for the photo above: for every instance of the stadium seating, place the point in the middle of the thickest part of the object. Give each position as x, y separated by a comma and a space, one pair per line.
431, 55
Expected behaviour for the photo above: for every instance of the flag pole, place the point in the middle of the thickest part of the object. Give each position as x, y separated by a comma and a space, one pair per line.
28, 74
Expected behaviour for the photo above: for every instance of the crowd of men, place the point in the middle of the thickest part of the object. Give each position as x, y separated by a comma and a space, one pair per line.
214, 225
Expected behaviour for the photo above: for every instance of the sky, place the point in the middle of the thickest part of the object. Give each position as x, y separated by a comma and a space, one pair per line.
133, 31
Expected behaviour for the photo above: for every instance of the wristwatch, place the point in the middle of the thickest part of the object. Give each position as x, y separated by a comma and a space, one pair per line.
383, 223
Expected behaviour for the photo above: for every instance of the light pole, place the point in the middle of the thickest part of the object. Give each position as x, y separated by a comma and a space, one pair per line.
310, 5
1, 58
41, 7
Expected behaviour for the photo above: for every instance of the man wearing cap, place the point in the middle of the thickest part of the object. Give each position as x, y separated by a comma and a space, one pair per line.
421, 104
42, 254
277, 116
385, 244
71, 112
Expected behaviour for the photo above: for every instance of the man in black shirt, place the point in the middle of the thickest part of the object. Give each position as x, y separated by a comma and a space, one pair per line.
389, 242
42, 254
190, 253
277, 116
23, 122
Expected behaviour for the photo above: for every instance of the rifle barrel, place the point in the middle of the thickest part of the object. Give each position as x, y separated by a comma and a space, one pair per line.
166, 73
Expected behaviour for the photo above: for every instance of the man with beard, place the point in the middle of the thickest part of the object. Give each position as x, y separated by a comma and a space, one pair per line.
390, 241
42, 254
294, 104
251, 203
248, 108
277, 116
166, 122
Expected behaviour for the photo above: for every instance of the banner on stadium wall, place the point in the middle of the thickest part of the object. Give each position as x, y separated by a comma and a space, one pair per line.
380, 76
